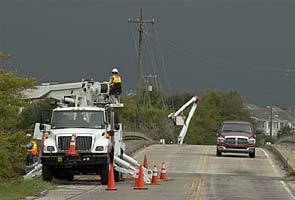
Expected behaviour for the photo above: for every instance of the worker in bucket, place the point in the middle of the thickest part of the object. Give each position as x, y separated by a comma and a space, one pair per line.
32, 150
115, 85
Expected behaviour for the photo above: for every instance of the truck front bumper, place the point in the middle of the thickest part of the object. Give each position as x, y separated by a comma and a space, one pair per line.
236, 150
81, 159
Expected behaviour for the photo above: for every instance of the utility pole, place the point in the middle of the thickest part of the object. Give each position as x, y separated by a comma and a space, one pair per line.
271, 121
293, 124
140, 22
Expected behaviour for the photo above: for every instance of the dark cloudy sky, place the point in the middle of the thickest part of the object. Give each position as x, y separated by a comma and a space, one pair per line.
243, 45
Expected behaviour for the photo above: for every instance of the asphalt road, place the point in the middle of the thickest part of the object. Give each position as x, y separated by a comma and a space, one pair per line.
196, 173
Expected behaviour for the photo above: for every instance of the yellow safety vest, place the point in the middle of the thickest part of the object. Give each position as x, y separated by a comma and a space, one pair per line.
117, 79
34, 149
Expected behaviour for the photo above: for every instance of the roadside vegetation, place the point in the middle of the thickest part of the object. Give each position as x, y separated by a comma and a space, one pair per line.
12, 134
19, 189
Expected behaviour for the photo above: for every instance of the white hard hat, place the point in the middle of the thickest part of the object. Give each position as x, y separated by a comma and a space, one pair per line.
115, 70
28, 135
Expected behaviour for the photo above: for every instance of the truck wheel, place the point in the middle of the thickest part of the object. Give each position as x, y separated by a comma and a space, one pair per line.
104, 174
118, 176
252, 155
70, 175
218, 153
60, 176
47, 173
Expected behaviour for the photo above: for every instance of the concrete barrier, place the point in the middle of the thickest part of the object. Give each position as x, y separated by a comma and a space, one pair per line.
280, 156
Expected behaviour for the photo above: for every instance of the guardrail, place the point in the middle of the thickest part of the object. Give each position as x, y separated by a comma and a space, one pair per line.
289, 138
135, 136
279, 155
135, 141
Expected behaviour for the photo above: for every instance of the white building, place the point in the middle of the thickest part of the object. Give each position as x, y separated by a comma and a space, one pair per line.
262, 116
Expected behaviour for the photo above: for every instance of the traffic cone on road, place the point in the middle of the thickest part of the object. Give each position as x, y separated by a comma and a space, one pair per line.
155, 176
145, 163
163, 175
111, 179
140, 181
136, 177
72, 149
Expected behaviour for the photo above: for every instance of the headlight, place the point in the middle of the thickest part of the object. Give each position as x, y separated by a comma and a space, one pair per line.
220, 139
99, 148
252, 141
50, 148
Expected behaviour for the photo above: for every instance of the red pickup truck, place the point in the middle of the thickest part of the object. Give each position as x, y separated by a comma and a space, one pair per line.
236, 137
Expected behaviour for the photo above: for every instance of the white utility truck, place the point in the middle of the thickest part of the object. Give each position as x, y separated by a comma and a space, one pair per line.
88, 114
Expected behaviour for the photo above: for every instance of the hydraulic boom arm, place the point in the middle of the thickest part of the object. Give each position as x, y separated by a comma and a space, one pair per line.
178, 117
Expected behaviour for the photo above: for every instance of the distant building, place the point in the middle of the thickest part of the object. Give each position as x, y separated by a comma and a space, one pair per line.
280, 118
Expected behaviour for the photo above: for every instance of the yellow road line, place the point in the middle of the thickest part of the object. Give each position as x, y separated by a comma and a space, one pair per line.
203, 165
199, 186
192, 184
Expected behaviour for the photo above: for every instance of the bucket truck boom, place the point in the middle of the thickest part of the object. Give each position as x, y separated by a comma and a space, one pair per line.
178, 117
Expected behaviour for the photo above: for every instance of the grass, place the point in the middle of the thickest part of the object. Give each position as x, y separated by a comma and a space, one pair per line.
13, 189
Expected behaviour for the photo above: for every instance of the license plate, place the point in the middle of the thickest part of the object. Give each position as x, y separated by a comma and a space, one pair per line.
59, 159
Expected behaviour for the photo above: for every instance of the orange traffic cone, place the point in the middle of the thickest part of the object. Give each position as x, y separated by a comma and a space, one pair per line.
140, 181
163, 175
111, 179
145, 164
155, 176
72, 149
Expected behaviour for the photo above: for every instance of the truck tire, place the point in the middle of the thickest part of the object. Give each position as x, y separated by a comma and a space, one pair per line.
218, 153
47, 173
104, 174
70, 175
252, 155
118, 176
60, 176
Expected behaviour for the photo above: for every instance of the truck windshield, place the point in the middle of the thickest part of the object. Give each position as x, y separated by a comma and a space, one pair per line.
236, 128
78, 119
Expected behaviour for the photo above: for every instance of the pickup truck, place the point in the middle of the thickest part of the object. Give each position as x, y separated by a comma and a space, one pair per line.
236, 137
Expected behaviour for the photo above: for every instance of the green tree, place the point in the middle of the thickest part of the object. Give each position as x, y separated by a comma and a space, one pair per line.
215, 107
35, 111
178, 99
285, 131
5, 56
4, 59
11, 87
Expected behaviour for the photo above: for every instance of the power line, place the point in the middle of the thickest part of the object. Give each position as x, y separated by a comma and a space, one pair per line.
140, 22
